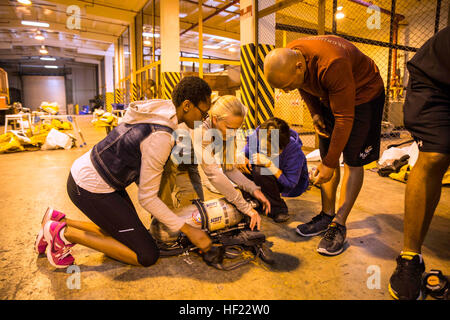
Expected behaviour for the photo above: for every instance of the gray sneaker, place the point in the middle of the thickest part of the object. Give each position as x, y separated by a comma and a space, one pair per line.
316, 226
333, 240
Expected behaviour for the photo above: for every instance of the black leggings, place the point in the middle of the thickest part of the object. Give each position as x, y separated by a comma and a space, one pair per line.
271, 188
115, 214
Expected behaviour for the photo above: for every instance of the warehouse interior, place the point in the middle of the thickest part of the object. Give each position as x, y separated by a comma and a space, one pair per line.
75, 65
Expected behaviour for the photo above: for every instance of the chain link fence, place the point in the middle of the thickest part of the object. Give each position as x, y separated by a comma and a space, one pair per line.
388, 31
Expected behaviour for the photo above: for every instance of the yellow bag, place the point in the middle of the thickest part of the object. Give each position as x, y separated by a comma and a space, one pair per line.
51, 108
6, 137
12, 145
402, 175
66, 125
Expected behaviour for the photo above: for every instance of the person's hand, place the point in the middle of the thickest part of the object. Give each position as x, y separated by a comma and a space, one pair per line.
260, 159
258, 195
319, 126
255, 219
198, 237
323, 174
244, 167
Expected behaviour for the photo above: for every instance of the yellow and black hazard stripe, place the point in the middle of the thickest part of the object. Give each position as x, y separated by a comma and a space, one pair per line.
134, 91
169, 81
109, 100
118, 96
263, 109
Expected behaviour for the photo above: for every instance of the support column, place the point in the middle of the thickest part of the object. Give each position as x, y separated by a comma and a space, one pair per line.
118, 71
170, 46
257, 40
133, 64
109, 80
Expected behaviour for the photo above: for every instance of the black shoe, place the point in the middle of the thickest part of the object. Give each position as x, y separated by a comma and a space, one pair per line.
333, 240
316, 226
264, 253
279, 217
406, 281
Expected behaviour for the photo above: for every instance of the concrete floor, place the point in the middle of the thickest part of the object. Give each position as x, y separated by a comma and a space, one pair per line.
31, 181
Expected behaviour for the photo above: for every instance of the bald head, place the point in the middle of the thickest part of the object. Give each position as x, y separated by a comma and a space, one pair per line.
282, 65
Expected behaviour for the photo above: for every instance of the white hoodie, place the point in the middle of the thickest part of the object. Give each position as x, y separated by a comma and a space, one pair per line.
155, 150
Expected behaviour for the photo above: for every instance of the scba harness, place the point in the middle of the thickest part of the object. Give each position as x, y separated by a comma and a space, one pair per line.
229, 232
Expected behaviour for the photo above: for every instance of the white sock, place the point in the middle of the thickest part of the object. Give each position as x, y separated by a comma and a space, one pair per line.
61, 235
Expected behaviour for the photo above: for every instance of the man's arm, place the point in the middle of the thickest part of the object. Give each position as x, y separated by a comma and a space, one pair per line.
312, 102
338, 80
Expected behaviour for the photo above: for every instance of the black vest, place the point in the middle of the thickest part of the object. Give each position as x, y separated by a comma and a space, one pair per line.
117, 158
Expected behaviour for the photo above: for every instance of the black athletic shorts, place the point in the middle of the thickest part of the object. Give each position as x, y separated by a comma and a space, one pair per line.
363, 145
427, 114
115, 214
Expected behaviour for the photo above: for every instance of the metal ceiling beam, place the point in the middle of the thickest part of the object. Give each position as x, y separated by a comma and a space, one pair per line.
63, 12
211, 7
104, 10
218, 10
14, 24
276, 7
73, 44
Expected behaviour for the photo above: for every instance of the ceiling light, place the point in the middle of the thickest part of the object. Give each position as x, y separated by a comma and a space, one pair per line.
147, 43
35, 24
212, 36
48, 59
39, 36
339, 8
43, 50
210, 46
232, 49
340, 15
183, 15
51, 67
25, 2
150, 35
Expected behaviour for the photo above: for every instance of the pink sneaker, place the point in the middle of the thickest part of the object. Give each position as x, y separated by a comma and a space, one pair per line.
40, 244
58, 251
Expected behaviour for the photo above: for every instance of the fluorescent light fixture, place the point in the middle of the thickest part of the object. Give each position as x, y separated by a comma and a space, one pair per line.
150, 35
48, 59
210, 46
39, 36
35, 24
232, 18
339, 8
25, 2
51, 67
340, 15
147, 43
212, 36
232, 49
183, 15
43, 50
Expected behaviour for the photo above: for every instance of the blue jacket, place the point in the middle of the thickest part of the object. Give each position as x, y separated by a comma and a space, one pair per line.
292, 162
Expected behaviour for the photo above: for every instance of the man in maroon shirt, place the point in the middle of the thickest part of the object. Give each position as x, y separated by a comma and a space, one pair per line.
344, 93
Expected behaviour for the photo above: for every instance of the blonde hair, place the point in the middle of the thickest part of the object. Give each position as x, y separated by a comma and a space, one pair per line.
227, 105
223, 107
